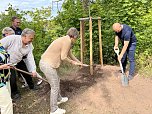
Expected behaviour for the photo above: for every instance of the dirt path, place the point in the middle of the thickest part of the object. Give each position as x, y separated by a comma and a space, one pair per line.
98, 94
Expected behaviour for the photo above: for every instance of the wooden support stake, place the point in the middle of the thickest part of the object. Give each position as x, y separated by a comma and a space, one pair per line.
91, 53
100, 41
82, 20
82, 39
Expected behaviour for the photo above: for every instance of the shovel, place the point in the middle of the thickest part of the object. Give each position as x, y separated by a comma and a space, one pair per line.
13, 67
124, 79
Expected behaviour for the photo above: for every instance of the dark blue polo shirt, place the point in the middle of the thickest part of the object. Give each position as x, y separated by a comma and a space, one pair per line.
127, 34
18, 31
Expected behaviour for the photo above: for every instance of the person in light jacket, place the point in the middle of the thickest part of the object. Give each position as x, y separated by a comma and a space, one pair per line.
59, 50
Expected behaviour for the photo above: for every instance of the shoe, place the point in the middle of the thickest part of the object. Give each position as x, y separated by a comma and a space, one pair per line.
34, 88
63, 100
39, 82
130, 77
16, 97
24, 85
59, 111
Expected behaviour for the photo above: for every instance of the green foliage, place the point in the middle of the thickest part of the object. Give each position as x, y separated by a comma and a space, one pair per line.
39, 21
40, 24
5, 20
144, 50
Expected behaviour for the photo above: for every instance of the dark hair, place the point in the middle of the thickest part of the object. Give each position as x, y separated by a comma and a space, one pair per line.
13, 18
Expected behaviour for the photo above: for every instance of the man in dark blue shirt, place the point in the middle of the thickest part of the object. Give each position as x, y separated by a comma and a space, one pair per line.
15, 25
125, 34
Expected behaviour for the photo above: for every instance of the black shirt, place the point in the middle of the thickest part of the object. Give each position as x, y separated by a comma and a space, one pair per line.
18, 30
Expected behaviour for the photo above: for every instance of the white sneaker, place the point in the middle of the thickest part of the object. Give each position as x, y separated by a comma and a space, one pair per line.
39, 82
59, 111
63, 100
24, 85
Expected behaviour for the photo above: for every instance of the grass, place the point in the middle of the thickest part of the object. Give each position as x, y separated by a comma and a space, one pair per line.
146, 72
67, 68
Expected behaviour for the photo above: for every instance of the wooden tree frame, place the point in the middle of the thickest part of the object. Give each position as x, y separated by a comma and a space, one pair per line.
82, 31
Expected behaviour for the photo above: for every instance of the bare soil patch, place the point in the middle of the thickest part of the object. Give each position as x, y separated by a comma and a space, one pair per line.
101, 93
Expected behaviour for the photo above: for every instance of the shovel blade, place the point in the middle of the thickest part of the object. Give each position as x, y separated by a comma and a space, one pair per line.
124, 80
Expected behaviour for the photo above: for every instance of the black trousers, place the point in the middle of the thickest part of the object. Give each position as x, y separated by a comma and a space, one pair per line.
14, 89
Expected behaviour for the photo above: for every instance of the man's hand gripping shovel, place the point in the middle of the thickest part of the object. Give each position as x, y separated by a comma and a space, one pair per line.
124, 79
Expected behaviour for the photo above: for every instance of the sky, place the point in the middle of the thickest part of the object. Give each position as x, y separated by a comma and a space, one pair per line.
30, 4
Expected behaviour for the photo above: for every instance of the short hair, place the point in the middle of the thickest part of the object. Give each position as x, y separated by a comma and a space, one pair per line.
8, 30
13, 18
27, 31
73, 32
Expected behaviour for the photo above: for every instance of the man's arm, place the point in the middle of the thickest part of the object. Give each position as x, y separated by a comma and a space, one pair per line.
6, 41
65, 51
73, 57
65, 57
73, 60
4, 66
30, 63
126, 43
116, 42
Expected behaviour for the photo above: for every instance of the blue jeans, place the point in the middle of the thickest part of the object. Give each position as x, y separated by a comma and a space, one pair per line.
131, 56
